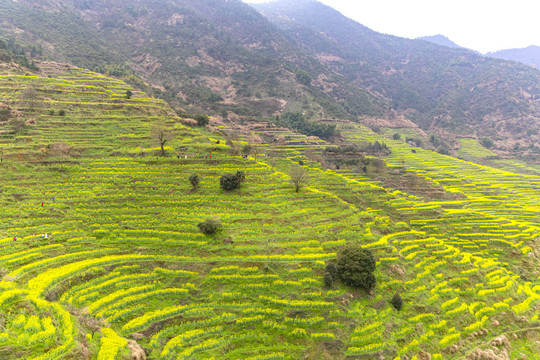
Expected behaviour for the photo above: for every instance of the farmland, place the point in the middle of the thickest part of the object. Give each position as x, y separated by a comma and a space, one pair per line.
123, 267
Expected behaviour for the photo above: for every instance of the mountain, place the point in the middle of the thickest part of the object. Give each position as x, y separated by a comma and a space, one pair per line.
225, 58
528, 56
212, 55
436, 87
440, 40
368, 246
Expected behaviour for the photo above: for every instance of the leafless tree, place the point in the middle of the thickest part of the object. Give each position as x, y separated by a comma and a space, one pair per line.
299, 177
162, 134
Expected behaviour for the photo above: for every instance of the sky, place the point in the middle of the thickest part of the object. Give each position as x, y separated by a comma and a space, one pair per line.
481, 25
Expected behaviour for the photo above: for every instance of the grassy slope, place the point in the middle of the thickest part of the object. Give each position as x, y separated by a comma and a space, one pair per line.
125, 247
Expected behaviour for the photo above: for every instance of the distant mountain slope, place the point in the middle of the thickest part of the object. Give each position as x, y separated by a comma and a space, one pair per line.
528, 56
224, 58
440, 40
436, 87
215, 55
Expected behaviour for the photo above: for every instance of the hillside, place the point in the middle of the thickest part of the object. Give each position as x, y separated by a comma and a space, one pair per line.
528, 56
220, 56
224, 58
102, 250
124, 271
454, 91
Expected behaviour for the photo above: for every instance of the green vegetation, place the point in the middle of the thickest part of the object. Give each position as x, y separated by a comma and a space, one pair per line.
12, 51
397, 302
201, 58
487, 142
299, 177
328, 279
232, 181
194, 180
210, 226
298, 122
115, 253
356, 266
202, 120
303, 77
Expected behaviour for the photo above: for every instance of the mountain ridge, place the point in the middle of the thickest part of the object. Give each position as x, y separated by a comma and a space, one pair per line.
224, 58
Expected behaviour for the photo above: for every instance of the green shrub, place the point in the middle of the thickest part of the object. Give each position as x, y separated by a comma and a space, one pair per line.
241, 176
202, 120
303, 77
397, 136
443, 150
229, 182
356, 266
328, 279
61, 112
332, 269
194, 179
397, 302
487, 142
232, 181
210, 226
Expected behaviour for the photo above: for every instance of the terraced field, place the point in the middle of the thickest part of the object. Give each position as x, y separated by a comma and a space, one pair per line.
108, 261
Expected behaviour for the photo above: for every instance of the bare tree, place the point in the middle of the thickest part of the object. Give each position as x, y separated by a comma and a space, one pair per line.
30, 97
162, 134
299, 177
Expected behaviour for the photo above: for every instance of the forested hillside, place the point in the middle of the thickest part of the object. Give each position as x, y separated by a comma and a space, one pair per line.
438, 88
224, 58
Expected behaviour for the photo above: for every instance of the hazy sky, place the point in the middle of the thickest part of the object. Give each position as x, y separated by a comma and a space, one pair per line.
482, 25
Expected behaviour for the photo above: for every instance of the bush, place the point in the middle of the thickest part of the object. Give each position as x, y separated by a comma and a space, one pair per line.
397, 136
487, 142
376, 148
202, 120
303, 77
194, 179
356, 266
443, 151
298, 122
434, 140
332, 269
61, 112
241, 176
328, 280
210, 226
232, 181
397, 302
